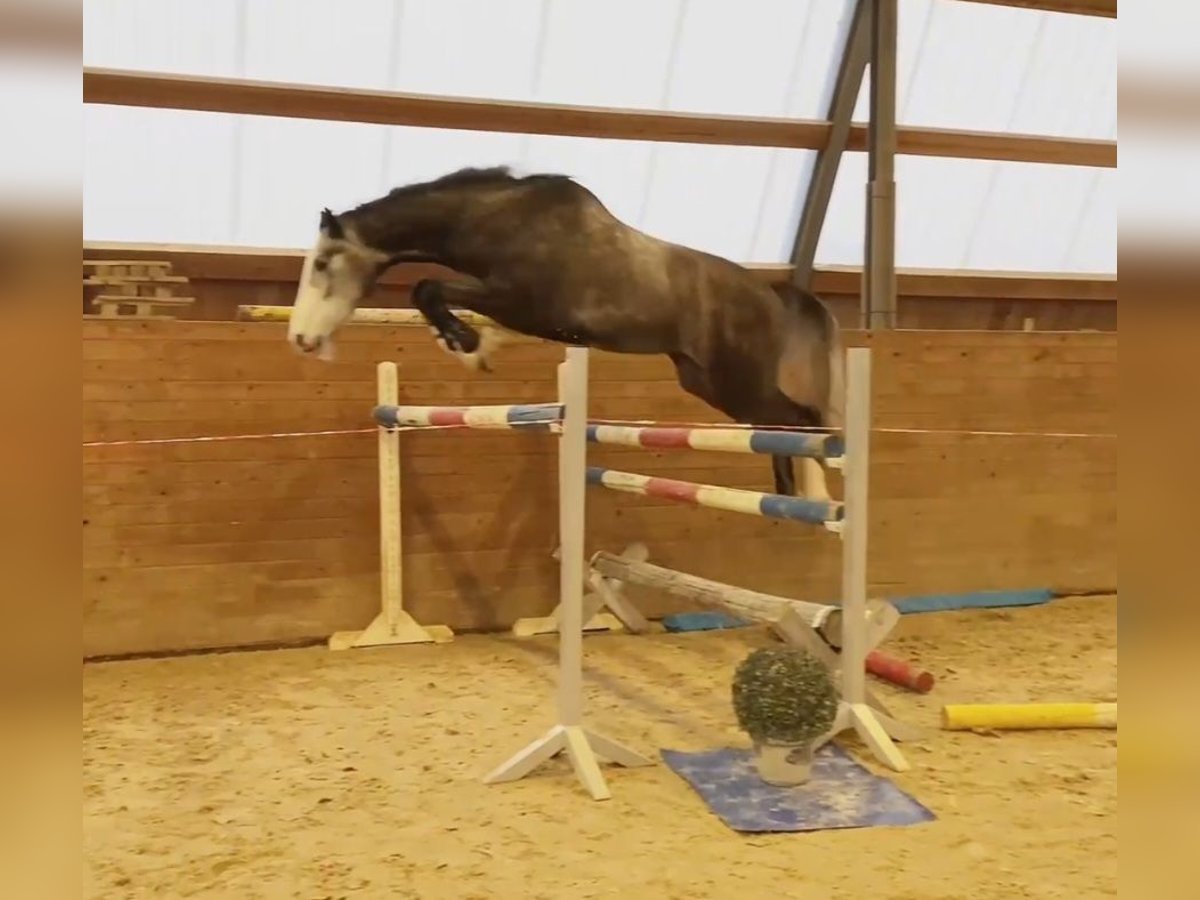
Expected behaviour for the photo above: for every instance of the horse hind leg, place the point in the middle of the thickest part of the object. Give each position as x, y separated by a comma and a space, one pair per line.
780, 410
815, 487
809, 374
785, 475
694, 379
813, 472
783, 467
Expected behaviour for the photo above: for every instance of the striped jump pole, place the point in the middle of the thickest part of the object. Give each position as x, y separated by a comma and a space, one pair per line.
538, 416
729, 440
755, 503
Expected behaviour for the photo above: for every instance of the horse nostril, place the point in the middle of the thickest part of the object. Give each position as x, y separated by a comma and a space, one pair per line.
306, 345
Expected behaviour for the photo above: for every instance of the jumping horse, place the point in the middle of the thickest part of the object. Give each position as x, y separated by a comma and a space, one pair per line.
541, 256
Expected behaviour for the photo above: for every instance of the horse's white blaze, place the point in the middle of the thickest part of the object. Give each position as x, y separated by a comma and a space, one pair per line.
324, 302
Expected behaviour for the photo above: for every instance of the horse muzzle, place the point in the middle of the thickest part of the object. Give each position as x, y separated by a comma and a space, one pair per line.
306, 344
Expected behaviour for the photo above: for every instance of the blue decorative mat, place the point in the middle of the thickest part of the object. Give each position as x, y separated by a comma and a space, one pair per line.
701, 621
976, 600
840, 794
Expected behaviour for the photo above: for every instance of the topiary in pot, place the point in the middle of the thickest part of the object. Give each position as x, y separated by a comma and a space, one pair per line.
784, 700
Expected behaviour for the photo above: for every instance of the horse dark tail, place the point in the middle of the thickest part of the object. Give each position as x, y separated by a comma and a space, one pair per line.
812, 361
811, 369
835, 404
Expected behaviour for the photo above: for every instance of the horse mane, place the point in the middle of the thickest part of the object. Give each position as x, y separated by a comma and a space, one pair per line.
472, 177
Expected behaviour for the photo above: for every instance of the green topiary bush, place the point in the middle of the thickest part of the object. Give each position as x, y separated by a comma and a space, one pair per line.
783, 695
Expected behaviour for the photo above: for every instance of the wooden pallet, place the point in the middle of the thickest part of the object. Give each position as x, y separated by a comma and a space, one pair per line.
140, 288
128, 268
112, 305
158, 286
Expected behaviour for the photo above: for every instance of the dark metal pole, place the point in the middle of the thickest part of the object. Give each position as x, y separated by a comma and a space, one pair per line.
841, 108
879, 264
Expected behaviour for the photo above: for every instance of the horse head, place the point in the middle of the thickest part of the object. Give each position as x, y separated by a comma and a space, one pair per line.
339, 271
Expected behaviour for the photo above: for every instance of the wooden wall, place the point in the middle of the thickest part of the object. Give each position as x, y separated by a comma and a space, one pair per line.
222, 278
233, 543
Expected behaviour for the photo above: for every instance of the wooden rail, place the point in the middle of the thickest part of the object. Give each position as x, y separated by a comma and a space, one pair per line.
975, 284
217, 263
220, 263
263, 98
1104, 8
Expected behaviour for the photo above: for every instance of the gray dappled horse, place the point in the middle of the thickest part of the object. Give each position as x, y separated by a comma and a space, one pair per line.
542, 256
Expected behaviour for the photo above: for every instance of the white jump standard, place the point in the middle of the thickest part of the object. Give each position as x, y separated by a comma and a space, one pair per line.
582, 745
568, 420
854, 712
863, 625
393, 625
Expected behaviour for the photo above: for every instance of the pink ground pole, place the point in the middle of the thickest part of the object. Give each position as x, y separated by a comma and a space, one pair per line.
899, 672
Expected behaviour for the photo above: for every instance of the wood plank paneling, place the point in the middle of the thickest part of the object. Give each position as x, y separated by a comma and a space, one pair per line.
205, 544
222, 278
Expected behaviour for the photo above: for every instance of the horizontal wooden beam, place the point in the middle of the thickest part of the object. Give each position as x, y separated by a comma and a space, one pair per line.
974, 284
264, 98
217, 263
220, 263
1028, 148
1104, 8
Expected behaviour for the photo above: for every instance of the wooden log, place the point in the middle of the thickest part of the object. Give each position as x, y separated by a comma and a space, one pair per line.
752, 605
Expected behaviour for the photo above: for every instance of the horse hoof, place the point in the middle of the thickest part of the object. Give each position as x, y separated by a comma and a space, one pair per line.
476, 362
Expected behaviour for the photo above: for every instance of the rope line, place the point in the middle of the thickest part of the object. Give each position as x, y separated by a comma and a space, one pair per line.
631, 422
241, 437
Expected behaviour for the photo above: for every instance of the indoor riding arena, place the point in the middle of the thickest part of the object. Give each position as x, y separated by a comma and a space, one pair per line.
403, 617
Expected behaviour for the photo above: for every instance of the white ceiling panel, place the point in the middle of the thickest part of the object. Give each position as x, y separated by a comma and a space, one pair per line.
160, 175
316, 42
977, 214
163, 35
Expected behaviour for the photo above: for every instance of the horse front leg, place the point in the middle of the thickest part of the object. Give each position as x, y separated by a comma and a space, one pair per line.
433, 299
785, 475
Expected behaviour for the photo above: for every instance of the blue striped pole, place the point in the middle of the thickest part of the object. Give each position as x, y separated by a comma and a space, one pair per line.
754, 503
538, 416
729, 440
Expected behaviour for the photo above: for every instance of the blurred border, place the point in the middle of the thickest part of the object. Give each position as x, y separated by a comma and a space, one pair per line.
40, 86
1159, 178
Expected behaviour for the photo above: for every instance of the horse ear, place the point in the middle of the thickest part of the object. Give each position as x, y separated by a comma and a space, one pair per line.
330, 225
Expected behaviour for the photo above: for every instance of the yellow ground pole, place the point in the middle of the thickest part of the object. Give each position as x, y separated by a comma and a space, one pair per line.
966, 716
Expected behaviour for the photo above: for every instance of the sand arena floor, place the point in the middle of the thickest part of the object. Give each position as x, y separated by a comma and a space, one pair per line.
311, 774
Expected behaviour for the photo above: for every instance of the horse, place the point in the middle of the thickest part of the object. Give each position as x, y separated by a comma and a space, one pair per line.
540, 255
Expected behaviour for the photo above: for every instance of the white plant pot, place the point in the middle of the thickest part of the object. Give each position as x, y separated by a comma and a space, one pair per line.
784, 765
